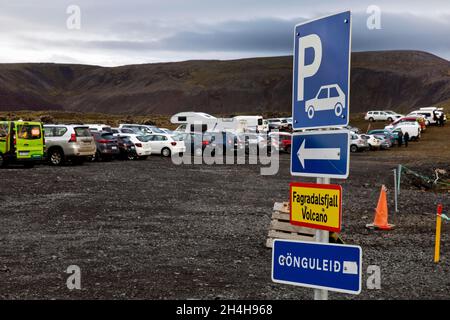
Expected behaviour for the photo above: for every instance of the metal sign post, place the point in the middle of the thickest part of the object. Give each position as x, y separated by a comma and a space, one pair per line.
322, 236
320, 100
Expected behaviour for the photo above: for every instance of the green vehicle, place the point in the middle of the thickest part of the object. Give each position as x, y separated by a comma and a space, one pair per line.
21, 142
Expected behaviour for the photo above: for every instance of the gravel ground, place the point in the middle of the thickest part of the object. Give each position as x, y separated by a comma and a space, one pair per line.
154, 230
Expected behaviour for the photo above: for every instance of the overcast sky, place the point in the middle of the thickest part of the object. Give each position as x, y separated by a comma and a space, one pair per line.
117, 32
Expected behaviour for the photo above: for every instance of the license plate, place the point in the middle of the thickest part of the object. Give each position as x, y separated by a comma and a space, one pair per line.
114, 148
23, 153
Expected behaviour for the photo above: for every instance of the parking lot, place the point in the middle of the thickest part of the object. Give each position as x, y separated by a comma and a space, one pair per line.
154, 230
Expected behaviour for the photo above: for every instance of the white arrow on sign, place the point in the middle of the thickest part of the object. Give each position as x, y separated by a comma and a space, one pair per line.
317, 154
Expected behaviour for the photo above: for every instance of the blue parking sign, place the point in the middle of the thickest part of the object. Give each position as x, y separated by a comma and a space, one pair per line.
324, 154
321, 80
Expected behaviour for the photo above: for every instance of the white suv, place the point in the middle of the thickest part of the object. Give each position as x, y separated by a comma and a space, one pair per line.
64, 142
382, 116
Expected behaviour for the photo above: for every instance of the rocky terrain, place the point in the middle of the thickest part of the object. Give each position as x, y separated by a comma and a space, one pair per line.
400, 80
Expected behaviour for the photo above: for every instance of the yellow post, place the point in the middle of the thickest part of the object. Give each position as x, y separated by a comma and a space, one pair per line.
437, 245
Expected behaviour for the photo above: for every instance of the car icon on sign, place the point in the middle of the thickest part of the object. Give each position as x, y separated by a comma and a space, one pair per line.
329, 97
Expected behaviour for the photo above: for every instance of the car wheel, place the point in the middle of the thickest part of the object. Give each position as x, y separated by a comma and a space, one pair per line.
310, 112
353, 148
56, 157
389, 119
338, 109
3, 162
166, 152
371, 119
97, 157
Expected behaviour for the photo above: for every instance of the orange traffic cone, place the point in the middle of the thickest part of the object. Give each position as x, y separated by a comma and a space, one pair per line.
381, 213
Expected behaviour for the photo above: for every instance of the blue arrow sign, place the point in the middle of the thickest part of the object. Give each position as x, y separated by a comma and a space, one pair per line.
320, 154
317, 265
321, 79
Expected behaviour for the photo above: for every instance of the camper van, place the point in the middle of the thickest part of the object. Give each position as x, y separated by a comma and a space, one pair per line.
193, 122
21, 142
203, 122
253, 123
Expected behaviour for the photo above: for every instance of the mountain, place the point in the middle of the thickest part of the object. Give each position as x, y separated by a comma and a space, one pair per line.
400, 80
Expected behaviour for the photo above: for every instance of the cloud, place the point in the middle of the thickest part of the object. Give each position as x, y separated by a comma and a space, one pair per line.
160, 30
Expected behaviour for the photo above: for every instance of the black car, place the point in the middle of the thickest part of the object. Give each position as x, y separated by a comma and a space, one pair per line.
107, 146
127, 148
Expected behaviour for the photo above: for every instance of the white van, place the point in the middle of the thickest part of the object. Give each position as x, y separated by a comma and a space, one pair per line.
413, 129
203, 122
426, 114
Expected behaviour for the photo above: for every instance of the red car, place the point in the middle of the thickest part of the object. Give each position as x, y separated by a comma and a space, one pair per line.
284, 141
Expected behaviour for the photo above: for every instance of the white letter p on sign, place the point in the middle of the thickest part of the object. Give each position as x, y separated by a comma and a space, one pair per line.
305, 71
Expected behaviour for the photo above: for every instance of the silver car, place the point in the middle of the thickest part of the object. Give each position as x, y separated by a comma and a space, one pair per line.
68, 142
358, 143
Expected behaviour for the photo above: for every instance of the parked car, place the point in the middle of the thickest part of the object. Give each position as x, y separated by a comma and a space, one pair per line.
167, 131
392, 136
413, 129
21, 142
127, 148
358, 143
165, 144
420, 121
98, 127
107, 146
141, 128
227, 142
426, 114
284, 141
352, 129
142, 145
68, 142
289, 123
254, 142
382, 116
437, 112
278, 124
372, 140
386, 142
119, 131
394, 114
195, 142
